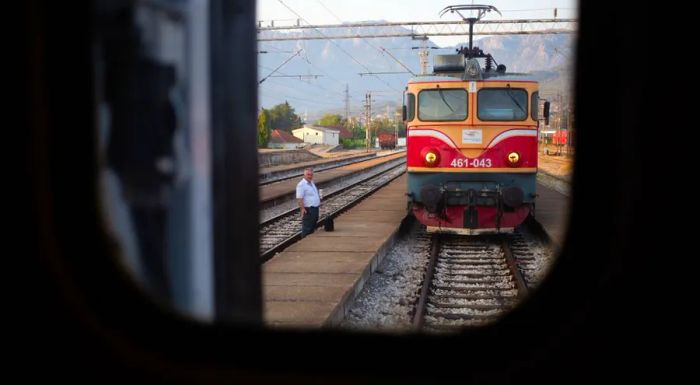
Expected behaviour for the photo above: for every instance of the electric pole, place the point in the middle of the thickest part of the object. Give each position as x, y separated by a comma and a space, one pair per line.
347, 102
368, 118
423, 53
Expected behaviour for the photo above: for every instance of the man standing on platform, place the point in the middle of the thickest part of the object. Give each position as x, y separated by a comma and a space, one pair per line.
309, 202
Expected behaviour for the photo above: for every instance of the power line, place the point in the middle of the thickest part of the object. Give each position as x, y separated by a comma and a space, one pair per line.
300, 78
304, 56
278, 67
306, 59
298, 90
335, 44
298, 98
398, 61
367, 41
329, 11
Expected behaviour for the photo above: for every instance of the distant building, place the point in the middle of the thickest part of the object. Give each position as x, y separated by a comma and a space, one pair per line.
344, 132
283, 139
318, 135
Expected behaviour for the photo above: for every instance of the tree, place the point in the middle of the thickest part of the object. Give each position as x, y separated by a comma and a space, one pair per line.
331, 120
282, 116
263, 128
358, 131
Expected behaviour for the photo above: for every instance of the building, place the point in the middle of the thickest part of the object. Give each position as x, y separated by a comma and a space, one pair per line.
318, 135
283, 139
344, 133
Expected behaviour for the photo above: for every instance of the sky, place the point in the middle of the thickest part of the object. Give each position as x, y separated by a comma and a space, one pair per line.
335, 11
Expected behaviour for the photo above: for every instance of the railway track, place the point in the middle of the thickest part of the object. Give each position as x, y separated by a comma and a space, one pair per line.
471, 281
284, 229
279, 176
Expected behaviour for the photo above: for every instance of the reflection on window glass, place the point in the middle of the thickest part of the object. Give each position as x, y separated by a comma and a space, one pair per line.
502, 104
439, 104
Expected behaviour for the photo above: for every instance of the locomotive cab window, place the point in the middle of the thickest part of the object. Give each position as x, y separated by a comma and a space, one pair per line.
442, 105
409, 106
534, 103
502, 104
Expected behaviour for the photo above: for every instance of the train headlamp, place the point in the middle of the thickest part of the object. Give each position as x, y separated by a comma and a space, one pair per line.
431, 158
513, 159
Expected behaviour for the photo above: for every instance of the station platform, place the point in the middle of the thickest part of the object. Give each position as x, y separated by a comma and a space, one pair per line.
314, 282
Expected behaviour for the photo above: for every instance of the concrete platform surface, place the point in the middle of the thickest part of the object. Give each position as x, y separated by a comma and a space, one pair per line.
313, 282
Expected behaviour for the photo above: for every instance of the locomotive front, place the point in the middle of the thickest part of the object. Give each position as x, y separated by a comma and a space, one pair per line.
471, 145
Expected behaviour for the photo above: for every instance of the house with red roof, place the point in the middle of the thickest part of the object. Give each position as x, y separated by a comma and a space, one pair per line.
283, 139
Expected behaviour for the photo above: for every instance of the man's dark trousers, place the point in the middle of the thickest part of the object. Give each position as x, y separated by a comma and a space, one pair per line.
308, 222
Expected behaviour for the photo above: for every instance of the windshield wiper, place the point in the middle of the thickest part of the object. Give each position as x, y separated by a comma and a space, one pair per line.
445, 101
508, 92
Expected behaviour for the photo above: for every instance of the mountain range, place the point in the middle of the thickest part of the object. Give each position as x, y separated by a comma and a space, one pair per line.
316, 73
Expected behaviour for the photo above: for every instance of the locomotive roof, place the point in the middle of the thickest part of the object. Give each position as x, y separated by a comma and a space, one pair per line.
443, 78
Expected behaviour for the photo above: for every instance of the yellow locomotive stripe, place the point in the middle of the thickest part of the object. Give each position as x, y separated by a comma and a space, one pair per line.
473, 169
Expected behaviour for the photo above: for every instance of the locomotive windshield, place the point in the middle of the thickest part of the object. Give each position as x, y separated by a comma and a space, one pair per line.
502, 104
442, 104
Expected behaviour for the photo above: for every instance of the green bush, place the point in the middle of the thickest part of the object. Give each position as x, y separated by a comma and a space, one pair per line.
353, 143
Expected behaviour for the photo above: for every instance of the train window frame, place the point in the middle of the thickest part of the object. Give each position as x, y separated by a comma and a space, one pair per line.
487, 89
466, 104
93, 326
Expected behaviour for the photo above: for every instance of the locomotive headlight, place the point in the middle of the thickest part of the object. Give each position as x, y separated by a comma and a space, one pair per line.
513, 159
431, 157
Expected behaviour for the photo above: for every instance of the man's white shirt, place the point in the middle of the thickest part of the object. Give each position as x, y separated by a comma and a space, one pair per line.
308, 191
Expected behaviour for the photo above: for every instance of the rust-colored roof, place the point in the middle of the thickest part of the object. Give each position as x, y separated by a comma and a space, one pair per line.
279, 136
345, 133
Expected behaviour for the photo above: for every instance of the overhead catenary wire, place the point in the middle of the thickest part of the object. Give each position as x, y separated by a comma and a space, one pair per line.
338, 46
362, 38
280, 66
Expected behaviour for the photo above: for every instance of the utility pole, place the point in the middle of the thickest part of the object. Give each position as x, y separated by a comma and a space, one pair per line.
368, 118
347, 103
423, 53
397, 119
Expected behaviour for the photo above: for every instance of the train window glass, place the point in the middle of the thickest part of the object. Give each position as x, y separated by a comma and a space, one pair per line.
152, 104
502, 104
534, 103
410, 106
442, 104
